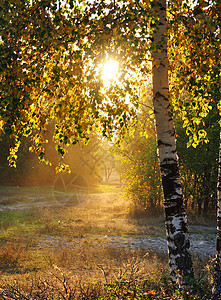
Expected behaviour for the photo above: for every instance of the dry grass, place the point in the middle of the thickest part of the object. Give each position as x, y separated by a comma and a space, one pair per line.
54, 234
103, 214
98, 273
61, 253
88, 272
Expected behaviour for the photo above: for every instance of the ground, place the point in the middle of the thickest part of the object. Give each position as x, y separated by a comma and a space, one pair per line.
92, 238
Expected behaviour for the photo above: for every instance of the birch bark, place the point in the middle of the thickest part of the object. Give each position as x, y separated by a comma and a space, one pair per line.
217, 274
176, 220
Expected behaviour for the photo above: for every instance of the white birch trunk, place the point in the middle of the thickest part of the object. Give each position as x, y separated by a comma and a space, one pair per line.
217, 273
176, 220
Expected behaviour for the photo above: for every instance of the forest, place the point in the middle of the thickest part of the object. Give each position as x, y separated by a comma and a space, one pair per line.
109, 148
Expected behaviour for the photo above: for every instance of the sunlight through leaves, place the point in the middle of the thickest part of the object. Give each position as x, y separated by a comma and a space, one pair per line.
110, 71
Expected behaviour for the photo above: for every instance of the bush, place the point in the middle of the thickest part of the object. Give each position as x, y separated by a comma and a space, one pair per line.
142, 176
140, 167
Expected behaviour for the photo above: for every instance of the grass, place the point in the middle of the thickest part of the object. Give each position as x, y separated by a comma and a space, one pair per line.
119, 278
102, 214
60, 252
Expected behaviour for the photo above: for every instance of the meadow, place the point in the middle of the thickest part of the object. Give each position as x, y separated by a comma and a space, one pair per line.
53, 251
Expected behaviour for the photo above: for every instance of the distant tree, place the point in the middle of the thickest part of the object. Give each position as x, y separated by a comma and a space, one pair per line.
86, 160
198, 168
140, 166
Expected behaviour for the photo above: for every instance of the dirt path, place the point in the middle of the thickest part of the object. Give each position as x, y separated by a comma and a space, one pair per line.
202, 238
201, 245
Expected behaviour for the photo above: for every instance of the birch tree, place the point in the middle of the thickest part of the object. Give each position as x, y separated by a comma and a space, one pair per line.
176, 220
217, 281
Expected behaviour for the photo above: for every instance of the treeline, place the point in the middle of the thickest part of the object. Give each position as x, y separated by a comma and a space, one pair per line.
140, 167
88, 160
198, 169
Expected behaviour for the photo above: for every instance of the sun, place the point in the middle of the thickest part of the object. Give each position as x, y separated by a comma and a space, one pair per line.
110, 71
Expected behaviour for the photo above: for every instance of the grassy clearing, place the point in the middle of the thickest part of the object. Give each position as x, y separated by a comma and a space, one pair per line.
43, 255
105, 213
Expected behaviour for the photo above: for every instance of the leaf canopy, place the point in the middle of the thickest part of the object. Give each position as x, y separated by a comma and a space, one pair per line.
195, 64
51, 63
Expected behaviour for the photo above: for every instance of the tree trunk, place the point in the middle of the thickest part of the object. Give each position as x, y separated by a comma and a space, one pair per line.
199, 205
176, 220
206, 194
217, 273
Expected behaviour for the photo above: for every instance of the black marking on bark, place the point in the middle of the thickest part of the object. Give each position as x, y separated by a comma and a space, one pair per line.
171, 228
160, 143
176, 208
173, 200
179, 240
173, 251
218, 244
167, 161
182, 258
184, 226
159, 95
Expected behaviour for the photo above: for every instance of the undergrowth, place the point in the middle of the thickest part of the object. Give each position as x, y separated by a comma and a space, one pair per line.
132, 275
60, 285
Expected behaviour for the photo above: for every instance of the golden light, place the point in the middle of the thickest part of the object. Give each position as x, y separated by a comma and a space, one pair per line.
110, 71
